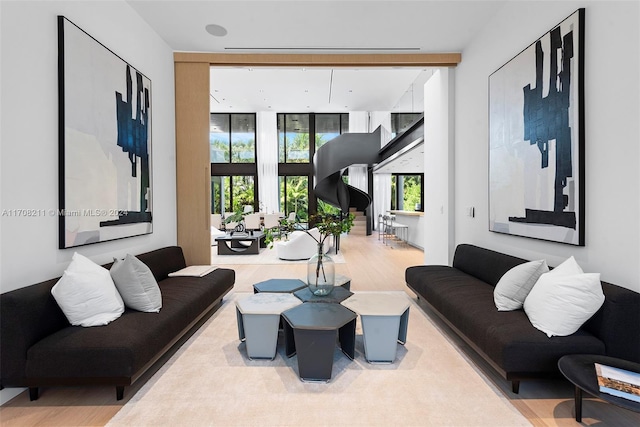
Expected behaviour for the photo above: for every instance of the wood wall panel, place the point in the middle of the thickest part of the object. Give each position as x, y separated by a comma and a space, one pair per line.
193, 168
322, 60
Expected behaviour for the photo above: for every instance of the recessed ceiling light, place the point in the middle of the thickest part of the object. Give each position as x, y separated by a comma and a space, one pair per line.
216, 30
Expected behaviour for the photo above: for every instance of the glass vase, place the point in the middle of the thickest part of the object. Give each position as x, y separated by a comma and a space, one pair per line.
321, 273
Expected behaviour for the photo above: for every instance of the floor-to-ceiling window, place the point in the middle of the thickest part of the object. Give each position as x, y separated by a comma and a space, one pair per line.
299, 136
232, 139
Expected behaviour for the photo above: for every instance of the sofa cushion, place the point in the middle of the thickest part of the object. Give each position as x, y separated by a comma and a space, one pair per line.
136, 284
514, 286
86, 294
561, 302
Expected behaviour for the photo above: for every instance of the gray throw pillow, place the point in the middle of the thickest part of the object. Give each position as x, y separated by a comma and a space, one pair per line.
136, 284
514, 286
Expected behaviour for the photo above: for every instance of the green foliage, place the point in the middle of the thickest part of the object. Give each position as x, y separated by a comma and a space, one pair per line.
327, 224
237, 216
296, 197
327, 209
411, 192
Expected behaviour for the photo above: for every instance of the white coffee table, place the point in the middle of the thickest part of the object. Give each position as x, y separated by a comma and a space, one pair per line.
258, 319
384, 317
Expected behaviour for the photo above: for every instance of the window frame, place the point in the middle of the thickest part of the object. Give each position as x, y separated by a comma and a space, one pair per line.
395, 198
230, 135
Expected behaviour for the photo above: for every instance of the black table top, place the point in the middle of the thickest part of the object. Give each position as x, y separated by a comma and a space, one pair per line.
579, 369
337, 295
279, 285
318, 316
240, 235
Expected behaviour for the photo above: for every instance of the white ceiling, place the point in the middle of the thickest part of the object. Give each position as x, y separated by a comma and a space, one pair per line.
318, 26
304, 26
320, 90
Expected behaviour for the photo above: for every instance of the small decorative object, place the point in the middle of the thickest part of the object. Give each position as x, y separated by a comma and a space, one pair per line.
536, 138
320, 267
321, 273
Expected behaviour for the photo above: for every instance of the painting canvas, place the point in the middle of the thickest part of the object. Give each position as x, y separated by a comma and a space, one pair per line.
105, 142
536, 138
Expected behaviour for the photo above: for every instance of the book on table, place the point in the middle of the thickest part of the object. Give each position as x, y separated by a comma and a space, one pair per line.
618, 382
194, 271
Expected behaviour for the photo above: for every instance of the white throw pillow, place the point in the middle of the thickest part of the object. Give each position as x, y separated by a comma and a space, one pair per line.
561, 301
514, 286
136, 284
568, 267
86, 294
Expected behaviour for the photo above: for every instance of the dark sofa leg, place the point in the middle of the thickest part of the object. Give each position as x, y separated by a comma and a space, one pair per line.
33, 393
119, 392
515, 387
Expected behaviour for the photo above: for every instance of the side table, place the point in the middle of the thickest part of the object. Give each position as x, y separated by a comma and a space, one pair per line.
384, 317
580, 370
258, 318
310, 331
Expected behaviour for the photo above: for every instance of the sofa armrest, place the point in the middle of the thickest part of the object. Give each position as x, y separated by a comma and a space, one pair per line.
484, 264
617, 323
27, 315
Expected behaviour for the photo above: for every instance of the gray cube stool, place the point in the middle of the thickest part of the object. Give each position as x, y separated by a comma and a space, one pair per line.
384, 317
258, 319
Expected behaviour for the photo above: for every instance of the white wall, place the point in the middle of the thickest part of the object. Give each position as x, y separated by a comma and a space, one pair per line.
438, 168
29, 133
612, 134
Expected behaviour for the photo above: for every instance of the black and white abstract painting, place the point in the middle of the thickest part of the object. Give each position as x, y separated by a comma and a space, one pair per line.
536, 138
104, 142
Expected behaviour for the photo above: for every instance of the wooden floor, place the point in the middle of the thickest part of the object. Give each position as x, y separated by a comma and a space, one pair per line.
372, 266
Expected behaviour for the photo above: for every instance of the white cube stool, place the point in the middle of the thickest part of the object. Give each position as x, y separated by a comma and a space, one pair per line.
384, 317
258, 319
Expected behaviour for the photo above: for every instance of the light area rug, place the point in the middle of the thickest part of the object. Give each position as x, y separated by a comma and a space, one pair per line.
266, 256
211, 382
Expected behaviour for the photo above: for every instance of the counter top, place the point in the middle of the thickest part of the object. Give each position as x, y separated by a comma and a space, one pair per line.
407, 213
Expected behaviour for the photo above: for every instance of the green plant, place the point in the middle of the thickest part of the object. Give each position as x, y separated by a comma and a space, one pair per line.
237, 216
327, 224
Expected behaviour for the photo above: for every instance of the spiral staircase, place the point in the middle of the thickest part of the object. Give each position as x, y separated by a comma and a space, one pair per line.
330, 164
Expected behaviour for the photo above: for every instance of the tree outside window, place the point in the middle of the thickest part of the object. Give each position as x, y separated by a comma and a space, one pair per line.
293, 138
232, 193
294, 196
407, 192
232, 138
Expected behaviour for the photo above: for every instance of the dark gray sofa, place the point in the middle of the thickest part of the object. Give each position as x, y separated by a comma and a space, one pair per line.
40, 348
462, 296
